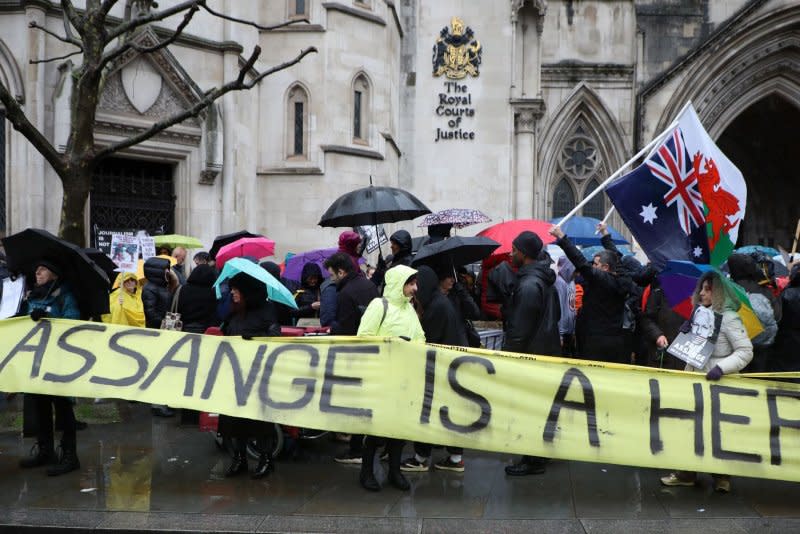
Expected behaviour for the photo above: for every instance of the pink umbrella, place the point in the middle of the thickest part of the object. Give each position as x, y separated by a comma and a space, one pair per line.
256, 247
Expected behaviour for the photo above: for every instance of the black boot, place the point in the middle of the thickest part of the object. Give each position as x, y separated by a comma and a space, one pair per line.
367, 475
44, 455
239, 464
396, 477
528, 465
68, 461
265, 466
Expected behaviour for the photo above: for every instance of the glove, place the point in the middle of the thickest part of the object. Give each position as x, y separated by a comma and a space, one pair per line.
686, 327
38, 313
714, 374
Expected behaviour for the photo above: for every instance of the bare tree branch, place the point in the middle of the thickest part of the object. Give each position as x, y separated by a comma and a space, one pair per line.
73, 41
125, 27
51, 59
250, 22
106, 7
236, 85
171, 39
72, 15
16, 115
285, 65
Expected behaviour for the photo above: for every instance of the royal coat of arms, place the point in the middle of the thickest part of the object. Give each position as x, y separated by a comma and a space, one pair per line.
456, 53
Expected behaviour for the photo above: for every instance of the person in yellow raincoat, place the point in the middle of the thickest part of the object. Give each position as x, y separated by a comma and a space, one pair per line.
125, 303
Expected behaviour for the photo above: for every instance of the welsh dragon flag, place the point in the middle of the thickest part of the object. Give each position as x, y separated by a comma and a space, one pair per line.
686, 201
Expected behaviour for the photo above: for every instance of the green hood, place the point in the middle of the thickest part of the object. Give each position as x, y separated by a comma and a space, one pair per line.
396, 278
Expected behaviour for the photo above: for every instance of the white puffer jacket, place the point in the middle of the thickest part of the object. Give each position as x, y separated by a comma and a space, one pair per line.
733, 349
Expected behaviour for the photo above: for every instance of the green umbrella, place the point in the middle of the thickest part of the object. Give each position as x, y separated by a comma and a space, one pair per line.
276, 291
177, 240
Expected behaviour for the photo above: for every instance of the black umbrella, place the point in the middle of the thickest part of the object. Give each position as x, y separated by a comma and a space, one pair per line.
371, 206
455, 251
222, 240
104, 262
88, 281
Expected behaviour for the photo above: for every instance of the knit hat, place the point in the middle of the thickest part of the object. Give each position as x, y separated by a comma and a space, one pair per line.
529, 244
51, 266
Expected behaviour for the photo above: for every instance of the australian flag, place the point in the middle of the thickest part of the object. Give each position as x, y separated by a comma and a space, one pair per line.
661, 204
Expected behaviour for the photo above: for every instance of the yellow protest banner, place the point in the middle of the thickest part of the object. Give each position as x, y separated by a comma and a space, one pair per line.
477, 399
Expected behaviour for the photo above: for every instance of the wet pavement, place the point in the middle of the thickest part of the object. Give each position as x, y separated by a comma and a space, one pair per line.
151, 474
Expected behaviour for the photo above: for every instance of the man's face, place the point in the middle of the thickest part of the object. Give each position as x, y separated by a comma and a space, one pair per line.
410, 288
200, 261
517, 257
179, 254
598, 264
337, 275
446, 284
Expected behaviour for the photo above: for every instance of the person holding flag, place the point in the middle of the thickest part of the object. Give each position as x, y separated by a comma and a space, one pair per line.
686, 201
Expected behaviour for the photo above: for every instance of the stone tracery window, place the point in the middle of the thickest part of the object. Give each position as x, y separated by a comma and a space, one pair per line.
563, 198
298, 9
581, 168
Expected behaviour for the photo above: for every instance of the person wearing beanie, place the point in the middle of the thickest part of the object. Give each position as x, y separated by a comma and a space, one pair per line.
51, 297
532, 319
599, 327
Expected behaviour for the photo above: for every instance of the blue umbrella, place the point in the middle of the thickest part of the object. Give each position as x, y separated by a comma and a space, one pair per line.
749, 249
589, 252
581, 231
276, 291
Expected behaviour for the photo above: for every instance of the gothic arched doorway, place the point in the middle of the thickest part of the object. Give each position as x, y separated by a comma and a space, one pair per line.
762, 141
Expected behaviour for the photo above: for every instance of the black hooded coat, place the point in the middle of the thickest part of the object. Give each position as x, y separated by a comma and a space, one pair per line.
440, 320
404, 255
197, 300
308, 293
532, 314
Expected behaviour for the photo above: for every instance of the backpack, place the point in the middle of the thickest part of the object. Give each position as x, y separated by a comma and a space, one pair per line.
766, 316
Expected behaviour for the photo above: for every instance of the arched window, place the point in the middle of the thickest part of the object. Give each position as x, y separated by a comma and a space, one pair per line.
361, 110
563, 198
298, 9
597, 206
297, 123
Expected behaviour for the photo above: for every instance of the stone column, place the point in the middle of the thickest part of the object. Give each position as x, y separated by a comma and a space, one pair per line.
526, 116
30, 194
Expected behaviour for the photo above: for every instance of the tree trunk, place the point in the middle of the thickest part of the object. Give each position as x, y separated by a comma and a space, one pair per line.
76, 193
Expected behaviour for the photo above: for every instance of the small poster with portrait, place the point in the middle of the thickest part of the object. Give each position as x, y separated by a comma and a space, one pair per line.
691, 348
125, 252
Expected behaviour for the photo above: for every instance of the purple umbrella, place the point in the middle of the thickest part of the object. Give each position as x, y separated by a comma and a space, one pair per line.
295, 264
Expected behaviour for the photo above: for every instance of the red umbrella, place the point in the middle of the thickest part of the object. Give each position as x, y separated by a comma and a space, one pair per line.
505, 232
256, 247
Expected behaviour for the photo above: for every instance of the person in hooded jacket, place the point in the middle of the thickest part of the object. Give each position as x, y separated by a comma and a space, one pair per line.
442, 324
125, 303
52, 297
251, 316
785, 355
197, 300
349, 242
400, 243
391, 315
565, 286
599, 327
714, 318
157, 299
532, 319
745, 272
307, 297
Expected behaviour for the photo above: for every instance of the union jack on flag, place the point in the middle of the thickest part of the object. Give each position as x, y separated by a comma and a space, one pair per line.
670, 163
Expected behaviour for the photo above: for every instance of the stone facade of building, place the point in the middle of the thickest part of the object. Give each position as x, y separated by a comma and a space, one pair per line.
550, 98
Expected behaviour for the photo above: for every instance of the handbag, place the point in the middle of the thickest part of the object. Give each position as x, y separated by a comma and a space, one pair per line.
473, 337
172, 319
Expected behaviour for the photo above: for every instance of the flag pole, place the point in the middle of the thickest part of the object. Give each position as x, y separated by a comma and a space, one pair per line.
660, 137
